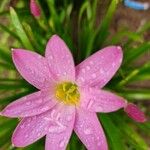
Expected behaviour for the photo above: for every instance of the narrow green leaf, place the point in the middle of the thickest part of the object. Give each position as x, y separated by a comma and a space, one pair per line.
19, 30
112, 132
133, 137
102, 31
9, 31
135, 53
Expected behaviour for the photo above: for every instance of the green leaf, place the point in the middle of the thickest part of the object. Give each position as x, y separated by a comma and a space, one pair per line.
114, 135
103, 29
135, 53
19, 30
136, 141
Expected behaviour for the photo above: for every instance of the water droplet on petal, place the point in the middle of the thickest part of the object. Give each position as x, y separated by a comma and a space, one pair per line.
87, 131
28, 103
91, 63
24, 98
82, 79
22, 126
26, 135
118, 47
65, 73
56, 129
113, 65
101, 71
90, 104
38, 93
62, 143
39, 101
88, 67
39, 56
98, 108
69, 118
51, 57
93, 75
83, 70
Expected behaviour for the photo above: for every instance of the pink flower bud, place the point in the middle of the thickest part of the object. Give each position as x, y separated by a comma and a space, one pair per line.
135, 113
35, 8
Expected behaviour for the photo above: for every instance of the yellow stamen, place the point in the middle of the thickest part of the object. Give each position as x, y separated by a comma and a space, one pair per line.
68, 93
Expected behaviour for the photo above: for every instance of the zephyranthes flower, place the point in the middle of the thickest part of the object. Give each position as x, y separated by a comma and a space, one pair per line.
68, 96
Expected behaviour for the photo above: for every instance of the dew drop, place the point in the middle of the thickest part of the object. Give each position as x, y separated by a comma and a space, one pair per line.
62, 143
69, 118
101, 71
52, 113
82, 79
91, 62
93, 75
118, 47
22, 126
26, 136
65, 73
83, 70
39, 101
39, 56
113, 65
28, 103
88, 67
28, 124
98, 108
99, 143
38, 93
45, 108
87, 131
51, 57
56, 129
39, 134
90, 104
24, 98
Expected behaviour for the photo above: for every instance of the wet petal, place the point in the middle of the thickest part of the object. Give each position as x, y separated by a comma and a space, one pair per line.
60, 59
31, 129
101, 101
30, 105
89, 130
135, 113
99, 68
33, 67
58, 137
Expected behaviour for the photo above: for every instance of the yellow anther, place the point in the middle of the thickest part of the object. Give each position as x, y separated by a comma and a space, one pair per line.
68, 93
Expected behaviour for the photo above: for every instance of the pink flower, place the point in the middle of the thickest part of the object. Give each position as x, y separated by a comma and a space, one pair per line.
35, 8
68, 97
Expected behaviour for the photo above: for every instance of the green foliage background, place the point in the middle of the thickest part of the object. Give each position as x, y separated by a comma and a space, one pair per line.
75, 22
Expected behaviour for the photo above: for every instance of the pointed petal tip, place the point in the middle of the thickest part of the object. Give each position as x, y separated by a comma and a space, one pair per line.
15, 143
135, 113
55, 36
119, 47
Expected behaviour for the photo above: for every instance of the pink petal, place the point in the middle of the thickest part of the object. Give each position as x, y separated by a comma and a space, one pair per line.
99, 68
33, 67
101, 101
53, 122
35, 8
135, 113
31, 129
57, 139
60, 59
30, 105
89, 130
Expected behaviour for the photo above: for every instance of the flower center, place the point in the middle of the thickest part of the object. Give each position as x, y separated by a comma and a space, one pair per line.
68, 93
